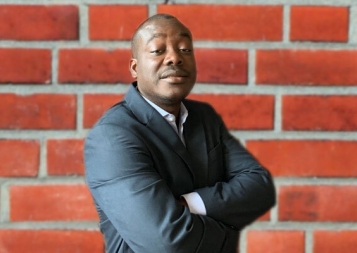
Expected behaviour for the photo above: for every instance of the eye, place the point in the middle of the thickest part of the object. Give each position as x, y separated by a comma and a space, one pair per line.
157, 51
186, 50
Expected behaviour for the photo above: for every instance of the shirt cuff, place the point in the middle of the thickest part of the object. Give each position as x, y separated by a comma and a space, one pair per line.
195, 203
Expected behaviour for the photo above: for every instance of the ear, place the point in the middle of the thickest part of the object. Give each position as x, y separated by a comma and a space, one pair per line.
132, 67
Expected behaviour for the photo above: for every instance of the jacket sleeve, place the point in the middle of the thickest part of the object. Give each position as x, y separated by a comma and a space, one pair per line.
248, 191
138, 202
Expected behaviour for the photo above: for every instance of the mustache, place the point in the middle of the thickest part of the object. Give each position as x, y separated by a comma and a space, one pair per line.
174, 71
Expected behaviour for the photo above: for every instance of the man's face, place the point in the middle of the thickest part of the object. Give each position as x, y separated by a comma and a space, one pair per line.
165, 66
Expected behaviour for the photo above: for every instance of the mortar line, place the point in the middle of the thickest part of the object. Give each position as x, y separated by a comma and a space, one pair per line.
251, 68
308, 241
42, 172
4, 203
277, 112
54, 67
152, 9
286, 23
83, 25
243, 241
79, 114
352, 28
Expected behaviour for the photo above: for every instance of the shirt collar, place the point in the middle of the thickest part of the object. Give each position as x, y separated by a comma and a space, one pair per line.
165, 114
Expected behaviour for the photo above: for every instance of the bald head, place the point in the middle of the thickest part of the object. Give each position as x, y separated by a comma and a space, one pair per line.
158, 17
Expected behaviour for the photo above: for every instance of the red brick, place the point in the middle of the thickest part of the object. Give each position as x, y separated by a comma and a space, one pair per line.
39, 111
95, 105
45, 241
319, 23
306, 158
318, 203
115, 22
242, 111
51, 203
307, 67
39, 22
264, 217
335, 241
222, 66
278, 241
65, 157
94, 66
24, 66
320, 113
229, 22
19, 158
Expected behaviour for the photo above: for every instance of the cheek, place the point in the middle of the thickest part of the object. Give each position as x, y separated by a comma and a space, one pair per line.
193, 65
148, 69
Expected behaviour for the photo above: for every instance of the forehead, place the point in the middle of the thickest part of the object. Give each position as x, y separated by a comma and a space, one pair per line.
164, 28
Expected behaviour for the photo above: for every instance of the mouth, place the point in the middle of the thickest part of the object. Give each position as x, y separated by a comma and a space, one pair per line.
175, 79
175, 75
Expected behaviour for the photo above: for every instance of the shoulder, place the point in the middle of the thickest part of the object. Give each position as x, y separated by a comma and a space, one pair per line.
116, 121
116, 130
117, 114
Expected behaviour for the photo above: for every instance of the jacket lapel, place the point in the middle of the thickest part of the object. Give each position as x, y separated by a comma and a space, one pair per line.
159, 126
196, 146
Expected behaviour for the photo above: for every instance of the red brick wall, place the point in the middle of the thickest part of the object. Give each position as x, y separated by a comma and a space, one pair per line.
284, 78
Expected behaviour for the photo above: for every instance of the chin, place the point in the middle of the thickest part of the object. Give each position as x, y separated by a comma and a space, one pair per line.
174, 98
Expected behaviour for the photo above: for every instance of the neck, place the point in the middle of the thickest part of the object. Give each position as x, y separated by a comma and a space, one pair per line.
173, 109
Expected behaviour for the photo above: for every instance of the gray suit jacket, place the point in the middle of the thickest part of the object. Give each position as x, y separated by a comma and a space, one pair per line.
137, 167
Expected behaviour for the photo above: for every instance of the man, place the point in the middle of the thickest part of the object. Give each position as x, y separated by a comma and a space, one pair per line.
164, 172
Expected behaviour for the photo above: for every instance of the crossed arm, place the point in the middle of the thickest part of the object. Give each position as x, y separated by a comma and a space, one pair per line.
135, 198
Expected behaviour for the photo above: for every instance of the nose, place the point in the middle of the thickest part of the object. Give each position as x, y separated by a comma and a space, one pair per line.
173, 57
